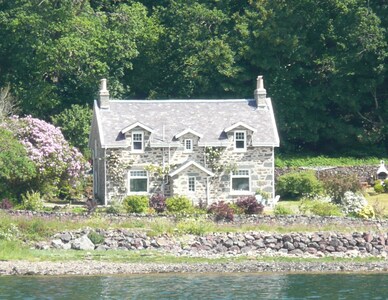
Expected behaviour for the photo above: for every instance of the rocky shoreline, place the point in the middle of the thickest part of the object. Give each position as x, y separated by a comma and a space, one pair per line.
83, 268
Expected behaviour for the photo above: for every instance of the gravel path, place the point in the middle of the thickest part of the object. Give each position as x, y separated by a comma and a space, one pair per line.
108, 268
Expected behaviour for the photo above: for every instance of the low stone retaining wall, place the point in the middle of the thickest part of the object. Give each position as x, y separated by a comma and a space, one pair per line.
364, 173
316, 221
253, 243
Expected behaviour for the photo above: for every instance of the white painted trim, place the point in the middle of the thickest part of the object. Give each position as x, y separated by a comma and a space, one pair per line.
239, 124
242, 192
129, 182
188, 184
142, 142
188, 164
188, 150
186, 131
235, 149
134, 125
273, 121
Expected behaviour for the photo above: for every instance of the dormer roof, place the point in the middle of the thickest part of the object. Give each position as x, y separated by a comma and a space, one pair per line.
240, 124
188, 164
134, 125
186, 131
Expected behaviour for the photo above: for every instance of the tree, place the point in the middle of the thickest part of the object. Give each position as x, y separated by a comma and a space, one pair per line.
55, 52
322, 60
8, 104
59, 167
192, 56
16, 169
75, 125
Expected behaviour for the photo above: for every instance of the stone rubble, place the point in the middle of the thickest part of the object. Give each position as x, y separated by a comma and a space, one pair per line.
317, 244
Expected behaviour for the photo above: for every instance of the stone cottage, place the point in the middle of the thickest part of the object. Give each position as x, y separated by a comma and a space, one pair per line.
207, 150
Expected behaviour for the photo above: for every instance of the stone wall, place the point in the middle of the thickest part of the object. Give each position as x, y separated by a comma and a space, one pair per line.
258, 160
364, 173
252, 243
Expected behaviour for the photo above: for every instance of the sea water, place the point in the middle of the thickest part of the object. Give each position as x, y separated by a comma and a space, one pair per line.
198, 286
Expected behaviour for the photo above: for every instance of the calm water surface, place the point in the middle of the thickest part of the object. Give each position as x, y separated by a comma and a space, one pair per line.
199, 286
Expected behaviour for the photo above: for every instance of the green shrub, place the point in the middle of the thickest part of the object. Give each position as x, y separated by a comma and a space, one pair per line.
378, 187
193, 226
115, 208
337, 185
32, 201
319, 208
178, 204
96, 237
281, 210
136, 204
296, 184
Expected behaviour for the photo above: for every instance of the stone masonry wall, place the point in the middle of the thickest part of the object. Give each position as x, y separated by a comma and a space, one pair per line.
259, 160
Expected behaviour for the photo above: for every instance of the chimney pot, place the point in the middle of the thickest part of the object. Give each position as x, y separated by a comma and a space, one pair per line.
104, 95
260, 92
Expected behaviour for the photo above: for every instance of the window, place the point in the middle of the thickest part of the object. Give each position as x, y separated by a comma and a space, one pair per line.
191, 183
240, 181
188, 145
138, 181
240, 141
137, 141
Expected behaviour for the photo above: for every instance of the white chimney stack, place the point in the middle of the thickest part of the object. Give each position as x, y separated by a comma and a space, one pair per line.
104, 95
260, 92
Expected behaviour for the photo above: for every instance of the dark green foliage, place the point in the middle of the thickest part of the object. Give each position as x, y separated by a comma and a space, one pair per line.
296, 184
178, 204
136, 204
336, 185
324, 62
96, 237
249, 205
158, 202
222, 211
16, 169
75, 126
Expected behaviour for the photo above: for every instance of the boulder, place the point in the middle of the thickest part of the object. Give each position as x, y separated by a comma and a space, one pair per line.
82, 243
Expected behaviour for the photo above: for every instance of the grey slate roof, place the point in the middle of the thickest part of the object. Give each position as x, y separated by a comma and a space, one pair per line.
169, 117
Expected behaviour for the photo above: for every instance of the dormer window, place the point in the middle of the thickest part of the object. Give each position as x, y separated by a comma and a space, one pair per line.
137, 141
240, 141
188, 145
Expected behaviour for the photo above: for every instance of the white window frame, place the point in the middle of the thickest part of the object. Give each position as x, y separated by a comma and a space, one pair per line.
244, 140
191, 183
141, 133
188, 149
135, 174
240, 173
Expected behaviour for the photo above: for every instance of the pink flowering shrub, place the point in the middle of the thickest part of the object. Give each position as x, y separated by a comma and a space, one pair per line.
59, 166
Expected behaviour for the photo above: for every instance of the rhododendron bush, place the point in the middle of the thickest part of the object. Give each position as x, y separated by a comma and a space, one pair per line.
60, 167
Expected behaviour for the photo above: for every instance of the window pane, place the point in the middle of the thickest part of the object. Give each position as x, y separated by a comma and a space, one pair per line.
240, 136
240, 184
138, 184
139, 173
137, 145
240, 144
192, 184
188, 145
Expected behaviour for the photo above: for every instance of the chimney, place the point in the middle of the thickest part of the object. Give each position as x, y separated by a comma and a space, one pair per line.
260, 92
103, 100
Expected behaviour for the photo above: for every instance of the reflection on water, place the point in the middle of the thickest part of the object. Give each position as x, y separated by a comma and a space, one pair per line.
198, 286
